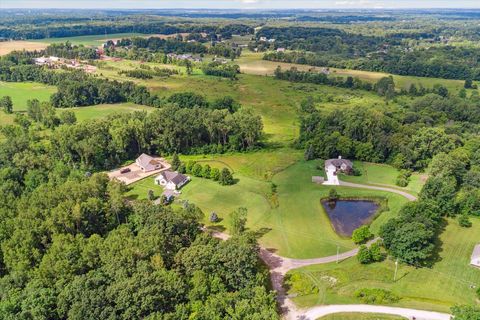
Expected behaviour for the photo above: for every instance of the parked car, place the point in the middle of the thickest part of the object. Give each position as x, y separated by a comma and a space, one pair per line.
125, 170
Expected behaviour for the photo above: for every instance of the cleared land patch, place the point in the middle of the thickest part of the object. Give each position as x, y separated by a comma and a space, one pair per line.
21, 92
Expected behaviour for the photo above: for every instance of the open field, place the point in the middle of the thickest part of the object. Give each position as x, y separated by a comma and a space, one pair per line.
381, 174
20, 92
275, 100
298, 227
450, 281
18, 45
99, 39
360, 316
252, 63
103, 110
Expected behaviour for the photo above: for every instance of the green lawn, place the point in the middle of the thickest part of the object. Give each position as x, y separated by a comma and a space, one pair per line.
20, 92
360, 316
103, 110
298, 227
382, 174
449, 282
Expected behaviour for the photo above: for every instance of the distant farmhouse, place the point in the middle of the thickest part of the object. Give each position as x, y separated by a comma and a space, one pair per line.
148, 163
339, 165
475, 259
171, 180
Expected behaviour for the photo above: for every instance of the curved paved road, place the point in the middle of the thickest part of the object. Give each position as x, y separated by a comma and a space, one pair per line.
317, 312
364, 186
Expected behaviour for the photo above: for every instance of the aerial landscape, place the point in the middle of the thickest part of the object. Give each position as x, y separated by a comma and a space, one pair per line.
241, 159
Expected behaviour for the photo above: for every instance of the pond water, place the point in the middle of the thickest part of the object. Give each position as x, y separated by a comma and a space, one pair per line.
348, 215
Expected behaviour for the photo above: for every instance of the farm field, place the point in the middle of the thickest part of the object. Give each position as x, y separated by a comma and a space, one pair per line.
298, 227
360, 316
18, 45
103, 110
381, 174
98, 39
21, 92
450, 281
252, 63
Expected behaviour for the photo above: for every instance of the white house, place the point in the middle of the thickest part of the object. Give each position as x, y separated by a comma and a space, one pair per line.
148, 163
475, 259
171, 180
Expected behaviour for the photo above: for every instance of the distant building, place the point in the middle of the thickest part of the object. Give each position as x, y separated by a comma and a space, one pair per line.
475, 258
171, 180
263, 39
339, 165
271, 40
281, 50
148, 163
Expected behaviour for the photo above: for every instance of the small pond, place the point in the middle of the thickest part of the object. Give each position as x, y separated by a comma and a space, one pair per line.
348, 215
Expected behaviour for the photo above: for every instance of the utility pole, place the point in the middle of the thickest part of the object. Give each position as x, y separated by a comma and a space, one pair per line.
396, 269
338, 250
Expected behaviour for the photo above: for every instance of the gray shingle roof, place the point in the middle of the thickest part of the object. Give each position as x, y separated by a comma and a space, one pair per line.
147, 162
175, 177
338, 162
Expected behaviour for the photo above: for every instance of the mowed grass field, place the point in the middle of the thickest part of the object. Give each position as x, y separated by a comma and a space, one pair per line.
381, 174
103, 110
252, 63
298, 227
360, 316
450, 281
21, 92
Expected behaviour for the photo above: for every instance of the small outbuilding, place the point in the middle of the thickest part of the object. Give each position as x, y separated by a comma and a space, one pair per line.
148, 163
171, 180
475, 258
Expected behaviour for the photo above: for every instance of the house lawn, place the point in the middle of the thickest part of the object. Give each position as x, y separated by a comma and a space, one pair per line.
297, 227
382, 174
450, 281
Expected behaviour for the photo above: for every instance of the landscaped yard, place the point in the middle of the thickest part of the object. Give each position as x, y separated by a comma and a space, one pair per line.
21, 92
298, 227
382, 174
450, 281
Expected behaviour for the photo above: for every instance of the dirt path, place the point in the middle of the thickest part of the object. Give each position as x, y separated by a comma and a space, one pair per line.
364, 186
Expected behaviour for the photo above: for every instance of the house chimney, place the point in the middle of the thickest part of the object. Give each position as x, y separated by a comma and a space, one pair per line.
340, 157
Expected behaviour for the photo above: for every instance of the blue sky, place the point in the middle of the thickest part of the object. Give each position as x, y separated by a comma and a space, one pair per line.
240, 4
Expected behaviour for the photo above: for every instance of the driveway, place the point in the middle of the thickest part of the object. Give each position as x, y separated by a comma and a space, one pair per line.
364, 186
332, 178
321, 311
135, 174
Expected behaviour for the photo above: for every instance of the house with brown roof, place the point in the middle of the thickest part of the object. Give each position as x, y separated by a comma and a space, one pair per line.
171, 180
148, 163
